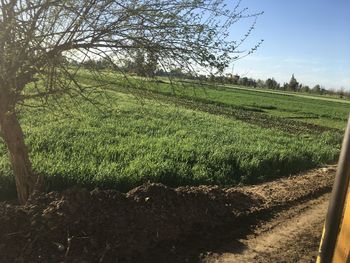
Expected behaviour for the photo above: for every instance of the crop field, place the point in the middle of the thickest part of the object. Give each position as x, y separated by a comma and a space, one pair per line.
319, 110
328, 112
182, 134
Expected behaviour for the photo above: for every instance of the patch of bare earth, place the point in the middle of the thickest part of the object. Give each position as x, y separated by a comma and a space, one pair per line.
155, 223
292, 235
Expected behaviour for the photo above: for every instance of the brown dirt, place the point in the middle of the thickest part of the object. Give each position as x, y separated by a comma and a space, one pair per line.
151, 223
290, 236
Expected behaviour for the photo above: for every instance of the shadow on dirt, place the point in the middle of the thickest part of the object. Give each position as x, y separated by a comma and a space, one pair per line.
151, 223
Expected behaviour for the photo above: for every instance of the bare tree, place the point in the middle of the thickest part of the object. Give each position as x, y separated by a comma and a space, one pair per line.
38, 37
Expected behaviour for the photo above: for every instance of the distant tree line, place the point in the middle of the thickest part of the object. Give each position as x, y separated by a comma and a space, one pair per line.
140, 63
293, 85
145, 63
270, 83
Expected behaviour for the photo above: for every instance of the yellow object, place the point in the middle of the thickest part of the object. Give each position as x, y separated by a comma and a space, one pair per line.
318, 258
342, 248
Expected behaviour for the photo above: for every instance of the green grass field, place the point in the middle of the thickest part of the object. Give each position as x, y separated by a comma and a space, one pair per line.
307, 108
326, 112
179, 135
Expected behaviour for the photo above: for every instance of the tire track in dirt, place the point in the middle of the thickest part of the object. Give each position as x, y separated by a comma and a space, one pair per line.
290, 236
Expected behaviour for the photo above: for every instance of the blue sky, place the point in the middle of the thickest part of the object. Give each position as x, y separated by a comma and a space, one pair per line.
310, 38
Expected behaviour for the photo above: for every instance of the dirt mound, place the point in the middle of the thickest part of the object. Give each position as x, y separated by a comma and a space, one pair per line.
78, 225
109, 226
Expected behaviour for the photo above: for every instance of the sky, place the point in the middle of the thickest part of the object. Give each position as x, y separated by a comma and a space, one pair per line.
307, 38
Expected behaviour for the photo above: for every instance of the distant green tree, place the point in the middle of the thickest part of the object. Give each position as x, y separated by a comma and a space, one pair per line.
243, 81
284, 86
305, 89
299, 87
316, 89
139, 63
293, 84
101, 63
347, 94
271, 83
252, 83
235, 79
260, 83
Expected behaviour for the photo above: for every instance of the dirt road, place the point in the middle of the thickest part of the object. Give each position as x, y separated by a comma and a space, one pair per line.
292, 235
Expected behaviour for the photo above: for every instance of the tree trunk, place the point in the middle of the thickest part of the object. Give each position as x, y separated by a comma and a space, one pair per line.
13, 136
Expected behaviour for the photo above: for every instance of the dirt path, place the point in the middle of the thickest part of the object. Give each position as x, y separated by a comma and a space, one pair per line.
291, 236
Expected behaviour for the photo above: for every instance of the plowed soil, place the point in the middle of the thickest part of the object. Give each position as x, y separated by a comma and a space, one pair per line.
155, 223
